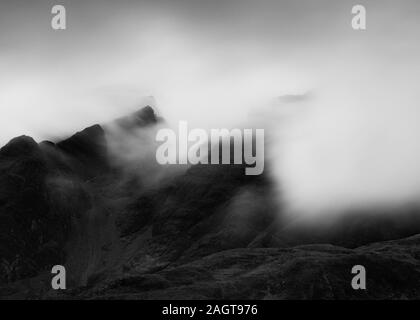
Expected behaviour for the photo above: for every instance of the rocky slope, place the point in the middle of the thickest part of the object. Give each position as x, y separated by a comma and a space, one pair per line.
300, 272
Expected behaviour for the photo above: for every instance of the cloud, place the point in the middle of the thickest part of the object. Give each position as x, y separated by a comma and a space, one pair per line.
352, 144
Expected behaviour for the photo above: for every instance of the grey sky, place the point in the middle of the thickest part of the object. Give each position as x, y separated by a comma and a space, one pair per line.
113, 53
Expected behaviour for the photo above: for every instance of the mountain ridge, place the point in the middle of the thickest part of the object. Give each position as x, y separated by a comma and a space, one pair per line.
207, 232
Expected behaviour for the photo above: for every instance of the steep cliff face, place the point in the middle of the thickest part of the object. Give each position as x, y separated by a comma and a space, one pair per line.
31, 233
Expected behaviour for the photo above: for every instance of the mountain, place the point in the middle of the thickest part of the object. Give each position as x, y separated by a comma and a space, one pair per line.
127, 228
44, 194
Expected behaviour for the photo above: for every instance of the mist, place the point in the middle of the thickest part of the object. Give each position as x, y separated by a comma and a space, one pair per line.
351, 141
345, 147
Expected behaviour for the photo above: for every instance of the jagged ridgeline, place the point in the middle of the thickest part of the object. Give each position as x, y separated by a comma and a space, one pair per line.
45, 194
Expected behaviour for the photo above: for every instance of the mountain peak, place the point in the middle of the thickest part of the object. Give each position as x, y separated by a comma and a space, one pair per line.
88, 147
146, 114
141, 118
19, 146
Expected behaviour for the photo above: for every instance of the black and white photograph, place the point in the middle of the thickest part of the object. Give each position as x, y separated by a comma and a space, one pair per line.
209, 150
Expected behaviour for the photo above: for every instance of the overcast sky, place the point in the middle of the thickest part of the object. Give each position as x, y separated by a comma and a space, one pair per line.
219, 63
192, 56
